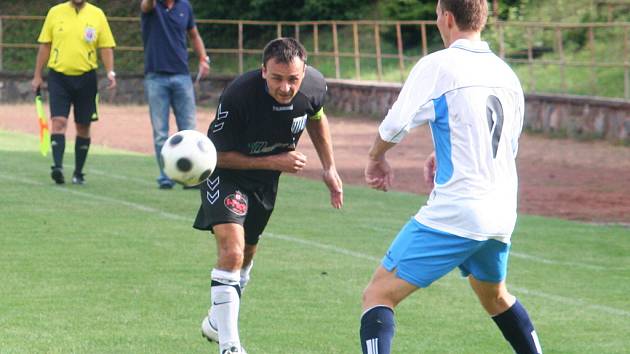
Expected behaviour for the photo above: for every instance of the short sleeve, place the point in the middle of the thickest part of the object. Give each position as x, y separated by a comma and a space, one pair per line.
45, 36
191, 18
226, 125
105, 38
412, 107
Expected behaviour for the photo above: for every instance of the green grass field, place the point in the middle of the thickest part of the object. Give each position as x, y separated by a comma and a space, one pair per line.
115, 267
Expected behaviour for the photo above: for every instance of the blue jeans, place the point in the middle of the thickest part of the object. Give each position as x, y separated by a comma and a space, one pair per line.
162, 92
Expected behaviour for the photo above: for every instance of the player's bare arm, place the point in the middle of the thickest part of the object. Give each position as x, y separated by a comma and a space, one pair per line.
378, 173
319, 131
42, 58
429, 169
147, 5
107, 56
291, 162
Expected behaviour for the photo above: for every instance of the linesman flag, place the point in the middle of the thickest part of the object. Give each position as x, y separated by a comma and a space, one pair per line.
44, 134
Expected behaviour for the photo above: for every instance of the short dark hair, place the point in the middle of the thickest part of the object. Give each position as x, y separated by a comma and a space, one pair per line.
284, 50
470, 15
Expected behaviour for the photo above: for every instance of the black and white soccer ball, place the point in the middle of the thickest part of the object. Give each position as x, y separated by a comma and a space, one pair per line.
188, 157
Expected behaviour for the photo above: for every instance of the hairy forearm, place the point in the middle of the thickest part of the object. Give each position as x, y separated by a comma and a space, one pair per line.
107, 55
238, 161
319, 132
42, 57
147, 5
379, 148
199, 47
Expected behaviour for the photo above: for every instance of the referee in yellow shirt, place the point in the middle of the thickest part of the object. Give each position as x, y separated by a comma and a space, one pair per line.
71, 34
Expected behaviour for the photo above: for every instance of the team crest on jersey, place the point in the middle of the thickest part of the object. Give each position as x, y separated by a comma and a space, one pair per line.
90, 34
299, 123
236, 203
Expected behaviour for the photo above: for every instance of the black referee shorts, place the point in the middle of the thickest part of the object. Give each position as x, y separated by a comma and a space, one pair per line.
224, 202
79, 91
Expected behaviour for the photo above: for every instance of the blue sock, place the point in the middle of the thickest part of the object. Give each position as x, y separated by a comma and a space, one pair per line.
377, 330
518, 329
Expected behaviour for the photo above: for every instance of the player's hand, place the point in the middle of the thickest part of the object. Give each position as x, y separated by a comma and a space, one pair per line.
378, 174
204, 69
112, 80
36, 83
429, 169
335, 186
292, 161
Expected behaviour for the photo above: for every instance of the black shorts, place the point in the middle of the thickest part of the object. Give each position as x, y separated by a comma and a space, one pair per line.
224, 202
79, 91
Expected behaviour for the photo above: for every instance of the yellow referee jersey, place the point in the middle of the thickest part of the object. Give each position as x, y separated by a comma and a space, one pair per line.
75, 37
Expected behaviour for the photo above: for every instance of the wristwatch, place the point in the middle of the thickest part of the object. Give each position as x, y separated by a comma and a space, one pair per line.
207, 60
112, 73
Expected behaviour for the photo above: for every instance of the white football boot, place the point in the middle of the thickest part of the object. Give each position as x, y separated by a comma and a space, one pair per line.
212, 335
208, 331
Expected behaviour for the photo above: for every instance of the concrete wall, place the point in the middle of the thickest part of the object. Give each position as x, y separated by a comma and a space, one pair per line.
555, 115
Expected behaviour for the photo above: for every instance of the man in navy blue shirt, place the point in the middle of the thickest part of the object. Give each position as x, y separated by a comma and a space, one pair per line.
165, 26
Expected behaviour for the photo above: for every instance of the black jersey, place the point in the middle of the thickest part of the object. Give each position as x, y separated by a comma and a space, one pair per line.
248, 120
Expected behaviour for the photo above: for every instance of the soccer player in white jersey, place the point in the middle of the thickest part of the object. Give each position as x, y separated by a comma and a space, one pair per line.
474, 105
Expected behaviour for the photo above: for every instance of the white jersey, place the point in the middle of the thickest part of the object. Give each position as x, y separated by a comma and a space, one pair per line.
474, 104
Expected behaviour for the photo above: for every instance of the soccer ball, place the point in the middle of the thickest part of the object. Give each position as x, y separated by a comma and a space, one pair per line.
188, 157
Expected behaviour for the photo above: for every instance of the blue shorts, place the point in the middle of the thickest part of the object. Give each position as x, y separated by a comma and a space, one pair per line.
422, 255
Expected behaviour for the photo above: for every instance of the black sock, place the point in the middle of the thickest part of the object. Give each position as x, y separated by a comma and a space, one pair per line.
377, 330
518, 329
58, 144
81, 147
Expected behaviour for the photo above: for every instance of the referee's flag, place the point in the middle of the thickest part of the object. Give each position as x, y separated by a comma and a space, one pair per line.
44, 134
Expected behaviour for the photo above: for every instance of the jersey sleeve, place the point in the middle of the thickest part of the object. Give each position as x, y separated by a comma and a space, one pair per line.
224, 130
414, 105
105, 38
45, 36
191, 18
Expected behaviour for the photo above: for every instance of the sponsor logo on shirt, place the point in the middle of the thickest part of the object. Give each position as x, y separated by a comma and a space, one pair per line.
260, 147
282, 108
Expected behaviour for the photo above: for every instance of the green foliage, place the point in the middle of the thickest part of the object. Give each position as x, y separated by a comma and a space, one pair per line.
281, 10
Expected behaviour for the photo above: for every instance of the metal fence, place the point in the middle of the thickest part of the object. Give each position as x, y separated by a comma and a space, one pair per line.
576, 58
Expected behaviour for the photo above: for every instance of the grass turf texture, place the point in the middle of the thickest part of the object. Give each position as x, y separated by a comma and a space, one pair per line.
115, 267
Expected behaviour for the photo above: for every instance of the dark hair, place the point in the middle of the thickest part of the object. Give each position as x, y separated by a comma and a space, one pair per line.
470, 15
284, 50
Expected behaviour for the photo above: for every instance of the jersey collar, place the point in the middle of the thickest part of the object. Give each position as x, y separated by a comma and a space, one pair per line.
471, 46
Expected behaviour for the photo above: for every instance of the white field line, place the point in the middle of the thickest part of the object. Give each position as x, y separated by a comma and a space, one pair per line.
557, 298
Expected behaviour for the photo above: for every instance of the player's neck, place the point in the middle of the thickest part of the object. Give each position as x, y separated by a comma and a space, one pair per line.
470, 35
77, 7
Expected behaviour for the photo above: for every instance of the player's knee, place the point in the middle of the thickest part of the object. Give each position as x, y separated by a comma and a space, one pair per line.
58, 125
231, 257
496, 303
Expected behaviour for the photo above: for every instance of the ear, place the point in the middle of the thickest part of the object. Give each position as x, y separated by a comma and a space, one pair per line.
450, 19
264, 71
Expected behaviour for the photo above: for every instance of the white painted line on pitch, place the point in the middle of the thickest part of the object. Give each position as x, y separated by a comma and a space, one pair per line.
121, 177
148, 209
552, 262
572, 301
557, 298
322, 246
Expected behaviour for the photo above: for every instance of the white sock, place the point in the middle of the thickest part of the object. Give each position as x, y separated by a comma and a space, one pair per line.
225, 305
245, 275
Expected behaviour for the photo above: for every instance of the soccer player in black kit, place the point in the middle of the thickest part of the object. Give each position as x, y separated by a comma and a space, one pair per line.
258, 123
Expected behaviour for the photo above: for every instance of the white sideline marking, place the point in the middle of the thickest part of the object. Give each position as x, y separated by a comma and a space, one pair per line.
558, 298
549, 261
